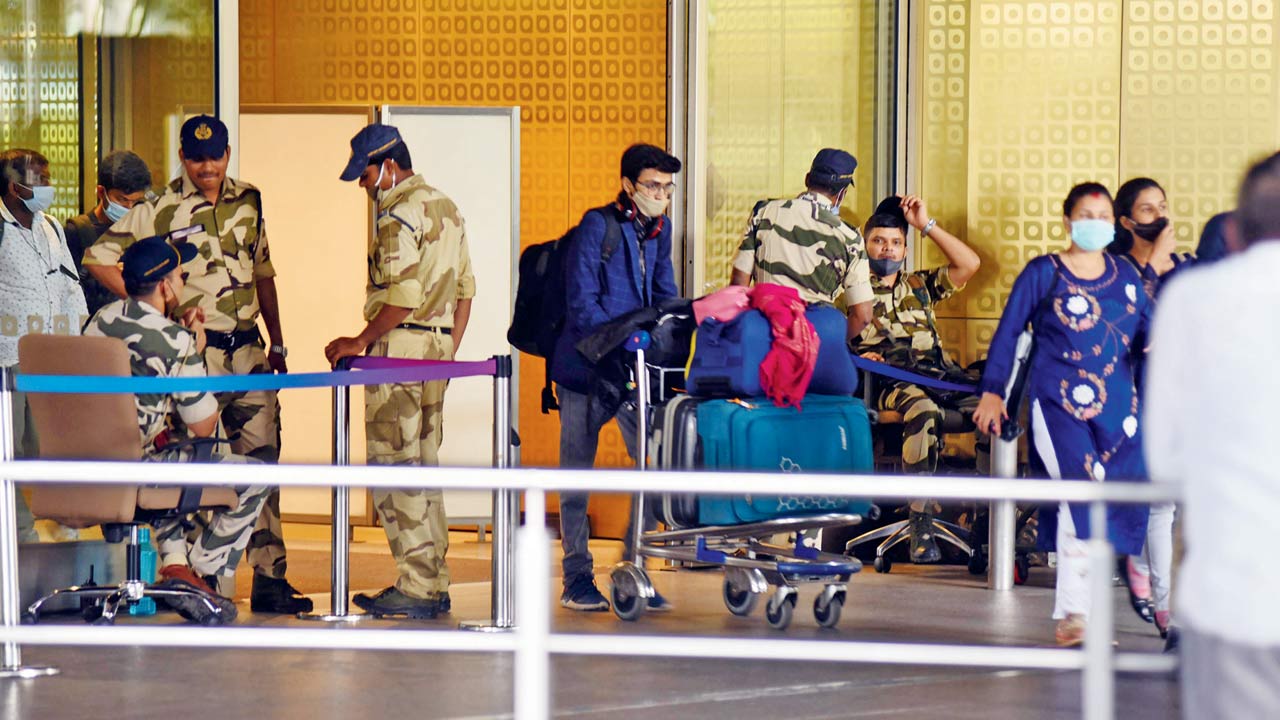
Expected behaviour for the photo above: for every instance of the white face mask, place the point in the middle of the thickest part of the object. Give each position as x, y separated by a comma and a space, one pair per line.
378, 183
41, 198
647, 206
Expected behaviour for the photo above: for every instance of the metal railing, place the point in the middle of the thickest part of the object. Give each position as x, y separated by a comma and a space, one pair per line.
533, 641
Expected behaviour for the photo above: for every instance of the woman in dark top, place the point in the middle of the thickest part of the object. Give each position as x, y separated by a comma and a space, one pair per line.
1145, 239
1089, 312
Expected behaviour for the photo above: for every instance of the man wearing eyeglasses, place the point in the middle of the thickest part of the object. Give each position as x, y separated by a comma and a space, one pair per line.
802, 243
232, 283
618, 260
39, 289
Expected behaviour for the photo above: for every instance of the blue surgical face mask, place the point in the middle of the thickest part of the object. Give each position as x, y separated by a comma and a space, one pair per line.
115, 211
885, 267
1092, 235
41, 198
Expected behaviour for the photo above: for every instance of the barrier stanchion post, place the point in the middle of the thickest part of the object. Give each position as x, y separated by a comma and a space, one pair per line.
1099, 683
506, 511
10, 603
340, 576
1003, 518
533, 662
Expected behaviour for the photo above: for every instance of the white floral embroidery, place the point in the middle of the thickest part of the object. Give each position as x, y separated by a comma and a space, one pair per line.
1130, 426
1099, 472
1131, 292
1083, 394
1077, 305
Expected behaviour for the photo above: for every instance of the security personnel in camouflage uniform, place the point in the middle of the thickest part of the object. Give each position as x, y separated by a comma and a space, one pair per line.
232, 282
418, 301
160, 347
904, 333
802, 243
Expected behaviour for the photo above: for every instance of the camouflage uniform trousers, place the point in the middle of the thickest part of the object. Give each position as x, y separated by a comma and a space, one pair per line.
922, 439
252, 424
217, 543
403, 427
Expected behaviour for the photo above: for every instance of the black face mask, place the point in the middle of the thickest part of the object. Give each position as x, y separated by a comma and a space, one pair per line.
1150, 231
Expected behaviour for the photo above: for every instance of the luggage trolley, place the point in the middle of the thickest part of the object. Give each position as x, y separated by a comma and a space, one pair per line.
752, 565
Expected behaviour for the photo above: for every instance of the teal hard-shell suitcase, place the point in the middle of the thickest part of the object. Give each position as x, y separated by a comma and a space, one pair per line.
831, 433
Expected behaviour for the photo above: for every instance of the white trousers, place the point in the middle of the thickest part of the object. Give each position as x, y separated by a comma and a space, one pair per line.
1071, 594
1156, 559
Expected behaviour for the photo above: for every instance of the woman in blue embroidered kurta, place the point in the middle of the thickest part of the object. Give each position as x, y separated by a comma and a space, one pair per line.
1089, 312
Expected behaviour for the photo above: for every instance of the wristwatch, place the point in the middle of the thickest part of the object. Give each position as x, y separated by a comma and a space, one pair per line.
280, 350
928, 226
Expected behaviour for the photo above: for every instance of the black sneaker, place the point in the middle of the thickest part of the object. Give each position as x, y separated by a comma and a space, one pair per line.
276, 595
582, 594
657, 603
192, 608
923, 547
391, 602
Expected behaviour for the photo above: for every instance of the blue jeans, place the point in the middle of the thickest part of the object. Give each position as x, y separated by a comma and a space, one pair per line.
581, 418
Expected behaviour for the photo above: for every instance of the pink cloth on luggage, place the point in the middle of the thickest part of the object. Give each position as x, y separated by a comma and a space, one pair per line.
724, 304
788, 368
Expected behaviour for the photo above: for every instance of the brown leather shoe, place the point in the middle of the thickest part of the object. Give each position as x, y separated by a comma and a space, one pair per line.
185, 574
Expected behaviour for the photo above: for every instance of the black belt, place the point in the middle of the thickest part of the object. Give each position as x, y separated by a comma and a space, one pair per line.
428, 328
229, 342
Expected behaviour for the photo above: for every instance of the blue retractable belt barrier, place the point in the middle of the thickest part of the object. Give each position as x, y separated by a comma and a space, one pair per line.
896, 373
249, 383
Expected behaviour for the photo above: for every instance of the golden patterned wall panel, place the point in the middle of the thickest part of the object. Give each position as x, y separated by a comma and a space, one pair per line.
39, 95
1200, 100
944, 180
785, 79
589, 76
1044, 114
1022, 99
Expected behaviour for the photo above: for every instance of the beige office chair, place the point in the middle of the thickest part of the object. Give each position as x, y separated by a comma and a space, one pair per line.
105, 427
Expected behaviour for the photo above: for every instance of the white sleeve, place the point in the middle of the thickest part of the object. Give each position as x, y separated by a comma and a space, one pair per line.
1170, 360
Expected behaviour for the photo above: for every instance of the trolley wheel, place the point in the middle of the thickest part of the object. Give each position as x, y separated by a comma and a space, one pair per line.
779, 615
1021, 569
91, 613
104, 620
828, 615
882, 564
977, 562
626, 591
739, 602
29, 618
626, 605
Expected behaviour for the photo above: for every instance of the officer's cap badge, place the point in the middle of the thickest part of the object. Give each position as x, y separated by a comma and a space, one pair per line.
204, 132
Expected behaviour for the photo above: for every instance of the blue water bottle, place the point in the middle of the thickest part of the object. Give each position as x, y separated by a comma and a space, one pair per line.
145, 606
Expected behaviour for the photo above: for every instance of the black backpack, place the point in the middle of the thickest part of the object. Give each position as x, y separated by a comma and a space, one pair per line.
538, 317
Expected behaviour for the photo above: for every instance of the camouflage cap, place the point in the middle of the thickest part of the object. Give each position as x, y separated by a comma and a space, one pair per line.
203, 137
833, 167
374, 139
150, 259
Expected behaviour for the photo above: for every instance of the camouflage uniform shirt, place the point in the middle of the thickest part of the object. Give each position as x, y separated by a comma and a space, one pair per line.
903, 328
158, 347
419, 258
230, 238
802, 243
